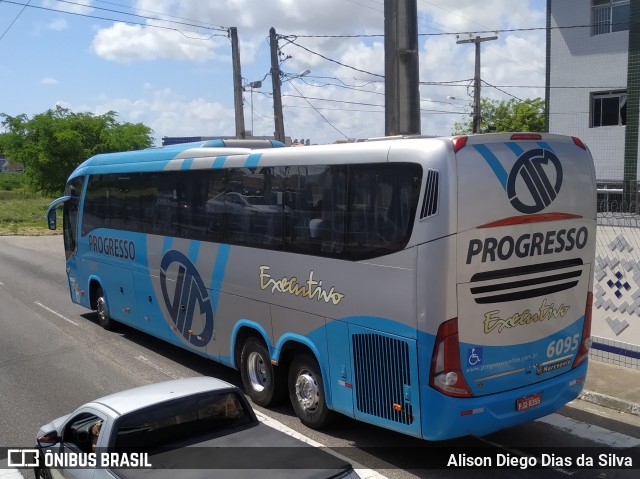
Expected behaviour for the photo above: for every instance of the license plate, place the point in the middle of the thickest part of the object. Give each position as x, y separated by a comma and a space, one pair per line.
528, 402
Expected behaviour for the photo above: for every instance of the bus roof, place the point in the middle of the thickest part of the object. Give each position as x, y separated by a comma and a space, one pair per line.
153, 159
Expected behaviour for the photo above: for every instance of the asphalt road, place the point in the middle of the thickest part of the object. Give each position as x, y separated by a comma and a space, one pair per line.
54, 357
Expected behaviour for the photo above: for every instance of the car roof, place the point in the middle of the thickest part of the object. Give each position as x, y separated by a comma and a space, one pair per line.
124, 402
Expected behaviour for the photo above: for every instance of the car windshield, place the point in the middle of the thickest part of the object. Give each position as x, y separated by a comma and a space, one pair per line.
174, 421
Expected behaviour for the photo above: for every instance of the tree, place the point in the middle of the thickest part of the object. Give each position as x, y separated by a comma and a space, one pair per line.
52, 144
512, 115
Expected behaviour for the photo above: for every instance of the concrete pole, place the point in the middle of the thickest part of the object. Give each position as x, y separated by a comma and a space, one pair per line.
278, 117
476, 80
237, 83
402, 75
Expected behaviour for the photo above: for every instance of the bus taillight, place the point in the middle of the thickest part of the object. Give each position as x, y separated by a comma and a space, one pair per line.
459, 143
585, 344
446, 375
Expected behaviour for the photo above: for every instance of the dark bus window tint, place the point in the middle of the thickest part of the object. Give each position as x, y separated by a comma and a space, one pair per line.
96, 208
251, 208
214, 206
382, 205
315, 209
70, 215
166, 208
193, 193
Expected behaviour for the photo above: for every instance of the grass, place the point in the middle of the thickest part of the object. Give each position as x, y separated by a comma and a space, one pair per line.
21, 212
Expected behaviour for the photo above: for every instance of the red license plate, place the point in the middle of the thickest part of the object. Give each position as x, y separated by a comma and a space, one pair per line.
528, 402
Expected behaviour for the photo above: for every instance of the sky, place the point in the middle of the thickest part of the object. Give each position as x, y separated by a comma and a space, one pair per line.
167, 63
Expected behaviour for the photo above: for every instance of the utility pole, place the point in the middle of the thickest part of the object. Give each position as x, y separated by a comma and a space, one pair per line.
476, 80
237, 83
402, 76
275, 81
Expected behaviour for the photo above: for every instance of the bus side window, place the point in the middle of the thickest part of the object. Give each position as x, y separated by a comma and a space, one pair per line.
315, 210
382, 204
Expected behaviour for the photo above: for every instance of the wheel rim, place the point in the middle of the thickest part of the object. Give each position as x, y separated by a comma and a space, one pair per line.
103, 312
257, 371
307, 391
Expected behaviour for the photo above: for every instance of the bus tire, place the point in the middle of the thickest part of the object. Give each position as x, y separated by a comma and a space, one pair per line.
306, 392
261, 380
102, 308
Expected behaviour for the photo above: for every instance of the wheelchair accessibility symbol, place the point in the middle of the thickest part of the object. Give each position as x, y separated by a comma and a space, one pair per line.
474, 356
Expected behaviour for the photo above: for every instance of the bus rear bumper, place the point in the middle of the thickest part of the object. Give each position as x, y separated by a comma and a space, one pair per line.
446, 417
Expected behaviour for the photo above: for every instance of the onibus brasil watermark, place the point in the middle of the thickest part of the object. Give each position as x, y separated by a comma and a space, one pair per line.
22, 458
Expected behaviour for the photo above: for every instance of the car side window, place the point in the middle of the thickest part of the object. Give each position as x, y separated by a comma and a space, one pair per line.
82, 432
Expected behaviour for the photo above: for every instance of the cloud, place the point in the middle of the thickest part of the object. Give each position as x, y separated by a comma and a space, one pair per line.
339, 100
127, 43
167, 112
58, 24
48, 81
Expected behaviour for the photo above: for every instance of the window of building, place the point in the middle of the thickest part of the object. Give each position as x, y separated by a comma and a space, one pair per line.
608, 108
609, 16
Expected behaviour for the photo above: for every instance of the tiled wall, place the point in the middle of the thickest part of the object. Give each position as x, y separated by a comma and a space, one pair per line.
615, 352
615, 326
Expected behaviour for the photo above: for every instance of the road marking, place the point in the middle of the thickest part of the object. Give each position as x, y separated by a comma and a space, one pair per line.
579, 429
10, 474
56, 313
589, 431
150, 363
516, 452
1, 283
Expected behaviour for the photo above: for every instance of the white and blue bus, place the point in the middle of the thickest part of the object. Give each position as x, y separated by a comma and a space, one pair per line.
434, 286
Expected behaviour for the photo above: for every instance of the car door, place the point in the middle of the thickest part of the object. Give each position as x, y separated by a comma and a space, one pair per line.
82, 435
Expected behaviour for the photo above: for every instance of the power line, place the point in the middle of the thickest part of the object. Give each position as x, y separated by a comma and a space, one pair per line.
144, 16
160, 13
330, 59
321, 115
478, 32
14, 20
120, 20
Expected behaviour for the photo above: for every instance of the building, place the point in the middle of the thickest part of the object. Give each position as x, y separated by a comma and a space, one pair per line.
588, 88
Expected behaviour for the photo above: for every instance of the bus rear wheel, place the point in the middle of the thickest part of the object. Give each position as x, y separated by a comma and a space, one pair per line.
306, 391
104, 319
261, 380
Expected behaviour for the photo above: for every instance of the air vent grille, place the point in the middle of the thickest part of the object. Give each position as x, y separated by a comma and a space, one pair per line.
430, 201
382, 374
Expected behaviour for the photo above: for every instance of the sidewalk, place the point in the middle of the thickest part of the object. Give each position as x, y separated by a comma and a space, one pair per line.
612, 386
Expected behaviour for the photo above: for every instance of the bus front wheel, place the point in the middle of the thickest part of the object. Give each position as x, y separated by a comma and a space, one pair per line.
306, 391
261, 380
103, 310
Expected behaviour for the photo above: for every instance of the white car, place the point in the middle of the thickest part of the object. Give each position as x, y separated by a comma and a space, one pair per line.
181, 428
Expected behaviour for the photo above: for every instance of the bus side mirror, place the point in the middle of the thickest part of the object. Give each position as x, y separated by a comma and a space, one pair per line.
51, 218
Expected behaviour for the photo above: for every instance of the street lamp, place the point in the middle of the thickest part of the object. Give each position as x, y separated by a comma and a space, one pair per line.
252, 85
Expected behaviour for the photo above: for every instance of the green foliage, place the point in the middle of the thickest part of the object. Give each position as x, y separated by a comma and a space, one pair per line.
21, 212
52, 144
12, 182
513, 115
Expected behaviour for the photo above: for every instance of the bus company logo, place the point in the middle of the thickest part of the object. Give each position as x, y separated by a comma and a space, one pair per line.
310, 289
190, 298
529, 187
494, 322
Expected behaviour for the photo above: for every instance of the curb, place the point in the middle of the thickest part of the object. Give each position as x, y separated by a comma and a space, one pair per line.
610, 402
